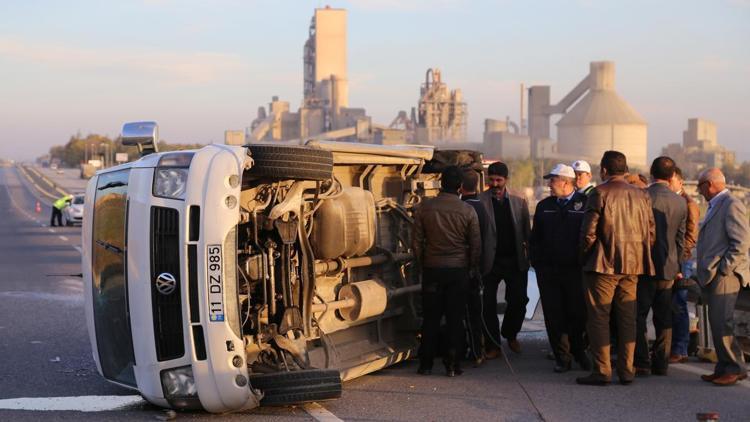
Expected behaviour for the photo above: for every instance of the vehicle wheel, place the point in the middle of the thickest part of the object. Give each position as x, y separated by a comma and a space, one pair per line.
290, 162
284, 388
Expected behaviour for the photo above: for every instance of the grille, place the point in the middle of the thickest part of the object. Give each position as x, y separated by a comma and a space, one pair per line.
193, 283
167, 308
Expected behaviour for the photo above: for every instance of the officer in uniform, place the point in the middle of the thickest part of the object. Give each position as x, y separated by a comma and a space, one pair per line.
57, 208
583, 177
553, 250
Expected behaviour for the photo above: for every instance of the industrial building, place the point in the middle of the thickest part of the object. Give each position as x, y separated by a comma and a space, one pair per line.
699, 149
442, 112
439, 117
595, 119
325, 111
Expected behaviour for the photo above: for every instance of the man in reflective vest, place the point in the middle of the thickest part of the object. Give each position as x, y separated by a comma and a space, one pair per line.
57, 208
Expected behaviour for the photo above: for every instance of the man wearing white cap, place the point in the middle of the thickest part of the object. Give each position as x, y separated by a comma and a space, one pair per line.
583, 177
554, 254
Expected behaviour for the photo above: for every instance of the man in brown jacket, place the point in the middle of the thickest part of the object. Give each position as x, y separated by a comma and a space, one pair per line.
616, 239
447, 244
680, 316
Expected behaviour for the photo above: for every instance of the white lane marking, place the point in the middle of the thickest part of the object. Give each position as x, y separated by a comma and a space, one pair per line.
320, 413
80, 403
701, 371
63, 238
78, 248
51, 230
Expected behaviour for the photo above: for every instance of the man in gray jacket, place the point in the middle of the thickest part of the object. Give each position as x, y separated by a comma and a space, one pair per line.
655, 292
722, 248
447, 244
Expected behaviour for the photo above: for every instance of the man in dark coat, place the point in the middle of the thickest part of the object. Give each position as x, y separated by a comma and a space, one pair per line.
469, 188
506, 259
447, 245
654, 293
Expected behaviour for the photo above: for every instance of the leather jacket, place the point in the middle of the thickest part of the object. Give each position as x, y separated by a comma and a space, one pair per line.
446, 233
691, 228
618, 230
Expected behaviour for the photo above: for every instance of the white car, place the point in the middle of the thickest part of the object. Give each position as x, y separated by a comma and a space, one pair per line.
229, 277
73, 213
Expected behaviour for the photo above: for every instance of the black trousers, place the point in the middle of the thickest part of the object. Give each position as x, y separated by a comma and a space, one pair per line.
561, 292
516, 282
56, 214
653, 294
444, 292
474, 326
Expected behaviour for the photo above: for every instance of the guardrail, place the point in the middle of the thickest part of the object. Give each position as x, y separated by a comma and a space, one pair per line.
50, 193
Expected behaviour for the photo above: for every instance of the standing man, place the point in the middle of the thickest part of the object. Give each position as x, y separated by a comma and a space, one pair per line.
447, 244
469, 195
554, 254
655, 292
507, 246
722, 269
583, 177
57, 208
680, 316
615, 246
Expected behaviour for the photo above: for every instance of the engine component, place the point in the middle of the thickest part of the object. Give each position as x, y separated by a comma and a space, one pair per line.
370, 298
345, 225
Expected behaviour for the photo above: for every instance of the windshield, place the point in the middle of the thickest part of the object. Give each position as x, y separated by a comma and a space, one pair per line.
78, 200
111, 315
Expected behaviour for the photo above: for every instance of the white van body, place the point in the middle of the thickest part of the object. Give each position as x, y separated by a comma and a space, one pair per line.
246, 287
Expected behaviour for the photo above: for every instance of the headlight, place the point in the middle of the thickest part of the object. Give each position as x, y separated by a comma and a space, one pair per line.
170, 182
171, 174
179, 388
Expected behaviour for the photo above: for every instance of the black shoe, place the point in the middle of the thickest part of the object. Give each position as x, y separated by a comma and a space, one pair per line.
424, 371
562, 367
584, 362
625, 381
660, 372
592, 380
454, 372
642, 372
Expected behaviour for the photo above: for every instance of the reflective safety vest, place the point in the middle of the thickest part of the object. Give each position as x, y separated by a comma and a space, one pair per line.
62, 202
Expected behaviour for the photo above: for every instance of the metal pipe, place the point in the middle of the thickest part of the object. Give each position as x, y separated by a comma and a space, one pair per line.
272, 271
404, 290
336, 304
324, 267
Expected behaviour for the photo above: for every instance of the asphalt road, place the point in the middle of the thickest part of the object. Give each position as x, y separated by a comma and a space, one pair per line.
46, 354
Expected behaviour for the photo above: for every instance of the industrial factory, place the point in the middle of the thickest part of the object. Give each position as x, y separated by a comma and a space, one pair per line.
593, 117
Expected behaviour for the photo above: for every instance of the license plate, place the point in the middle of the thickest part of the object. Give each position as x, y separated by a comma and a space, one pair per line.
215, 286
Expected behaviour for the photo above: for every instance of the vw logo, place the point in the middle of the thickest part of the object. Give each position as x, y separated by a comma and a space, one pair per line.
166, 283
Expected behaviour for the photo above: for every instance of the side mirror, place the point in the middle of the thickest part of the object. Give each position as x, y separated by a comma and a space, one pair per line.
143, 135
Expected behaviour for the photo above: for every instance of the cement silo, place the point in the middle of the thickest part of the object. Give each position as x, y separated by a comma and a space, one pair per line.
601, 120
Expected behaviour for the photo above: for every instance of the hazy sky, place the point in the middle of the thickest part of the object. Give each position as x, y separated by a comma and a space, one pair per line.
201, 67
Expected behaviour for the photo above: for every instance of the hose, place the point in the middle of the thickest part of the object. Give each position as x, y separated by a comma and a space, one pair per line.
505, 357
